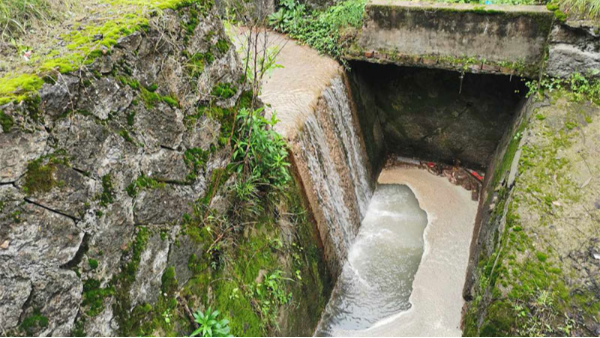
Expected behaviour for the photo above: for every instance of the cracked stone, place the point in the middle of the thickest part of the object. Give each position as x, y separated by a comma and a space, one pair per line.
148, 278
105, 96
164, 205
69, 195
17, 149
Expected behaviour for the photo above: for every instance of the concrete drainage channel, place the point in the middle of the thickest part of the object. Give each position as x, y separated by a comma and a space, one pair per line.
400, 256
438, 131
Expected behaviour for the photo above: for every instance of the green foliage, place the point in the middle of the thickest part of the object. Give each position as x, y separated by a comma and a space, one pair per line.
223, 90
34, 322
210, 325
580, 8
16, 15
81, 45
151, 99
6, 122
93, 263
270, 294
321, 30
222, 46
579, 87
195, 158
259, 150
169, 282
197, 62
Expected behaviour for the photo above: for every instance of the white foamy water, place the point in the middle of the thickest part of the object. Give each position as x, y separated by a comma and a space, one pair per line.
331, 149
376, 281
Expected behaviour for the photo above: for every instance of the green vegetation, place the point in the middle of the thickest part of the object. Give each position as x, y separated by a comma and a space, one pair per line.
151, 99
39, 177
260, 150
18, 16
76, 46
34, 322
6, 122
530, 285
328, 31
108, 192
210, 325
195, 159
94, 295
578, 9
578, 87
223, 90
143, 182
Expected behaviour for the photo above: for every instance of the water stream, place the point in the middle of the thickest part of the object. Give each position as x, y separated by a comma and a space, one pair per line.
376, 281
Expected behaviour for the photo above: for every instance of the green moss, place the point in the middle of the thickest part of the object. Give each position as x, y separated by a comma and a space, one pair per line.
542, 257
6, 122
125, 135
195, 158
34, 322
94, 295
82, 45
93, 263
143, 182
108, 192
198, 61
222, 46
223, 90
151, 99
169, 282
39, 177
16, 87
131, 119
134, 84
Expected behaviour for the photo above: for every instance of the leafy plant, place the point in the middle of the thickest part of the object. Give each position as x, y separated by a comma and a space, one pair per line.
580, 87
270, 294
260, 151
210, 326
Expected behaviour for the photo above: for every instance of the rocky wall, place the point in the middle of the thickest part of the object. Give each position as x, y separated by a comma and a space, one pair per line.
101, 175
574, 47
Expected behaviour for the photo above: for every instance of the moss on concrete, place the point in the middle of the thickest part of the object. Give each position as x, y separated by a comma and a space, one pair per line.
534, 281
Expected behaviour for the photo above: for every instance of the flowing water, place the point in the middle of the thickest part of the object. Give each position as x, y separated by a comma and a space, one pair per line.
376, 281
331, 157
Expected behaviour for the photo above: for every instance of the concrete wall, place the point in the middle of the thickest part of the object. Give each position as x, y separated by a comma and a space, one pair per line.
488, 39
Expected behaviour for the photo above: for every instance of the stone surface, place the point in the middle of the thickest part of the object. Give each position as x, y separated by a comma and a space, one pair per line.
17, 148
153, 262
99, 134
164, 205
574, 47
452, 36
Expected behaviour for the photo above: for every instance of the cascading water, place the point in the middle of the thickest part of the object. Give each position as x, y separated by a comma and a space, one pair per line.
329, 153
338, 101
376, 281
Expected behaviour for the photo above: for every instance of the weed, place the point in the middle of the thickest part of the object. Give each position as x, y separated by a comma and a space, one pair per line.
210, 326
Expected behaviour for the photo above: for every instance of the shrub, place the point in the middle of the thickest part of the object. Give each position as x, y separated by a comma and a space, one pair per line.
319, 29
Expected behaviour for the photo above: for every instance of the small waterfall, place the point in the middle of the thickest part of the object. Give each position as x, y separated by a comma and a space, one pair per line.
332, 162
338, 101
